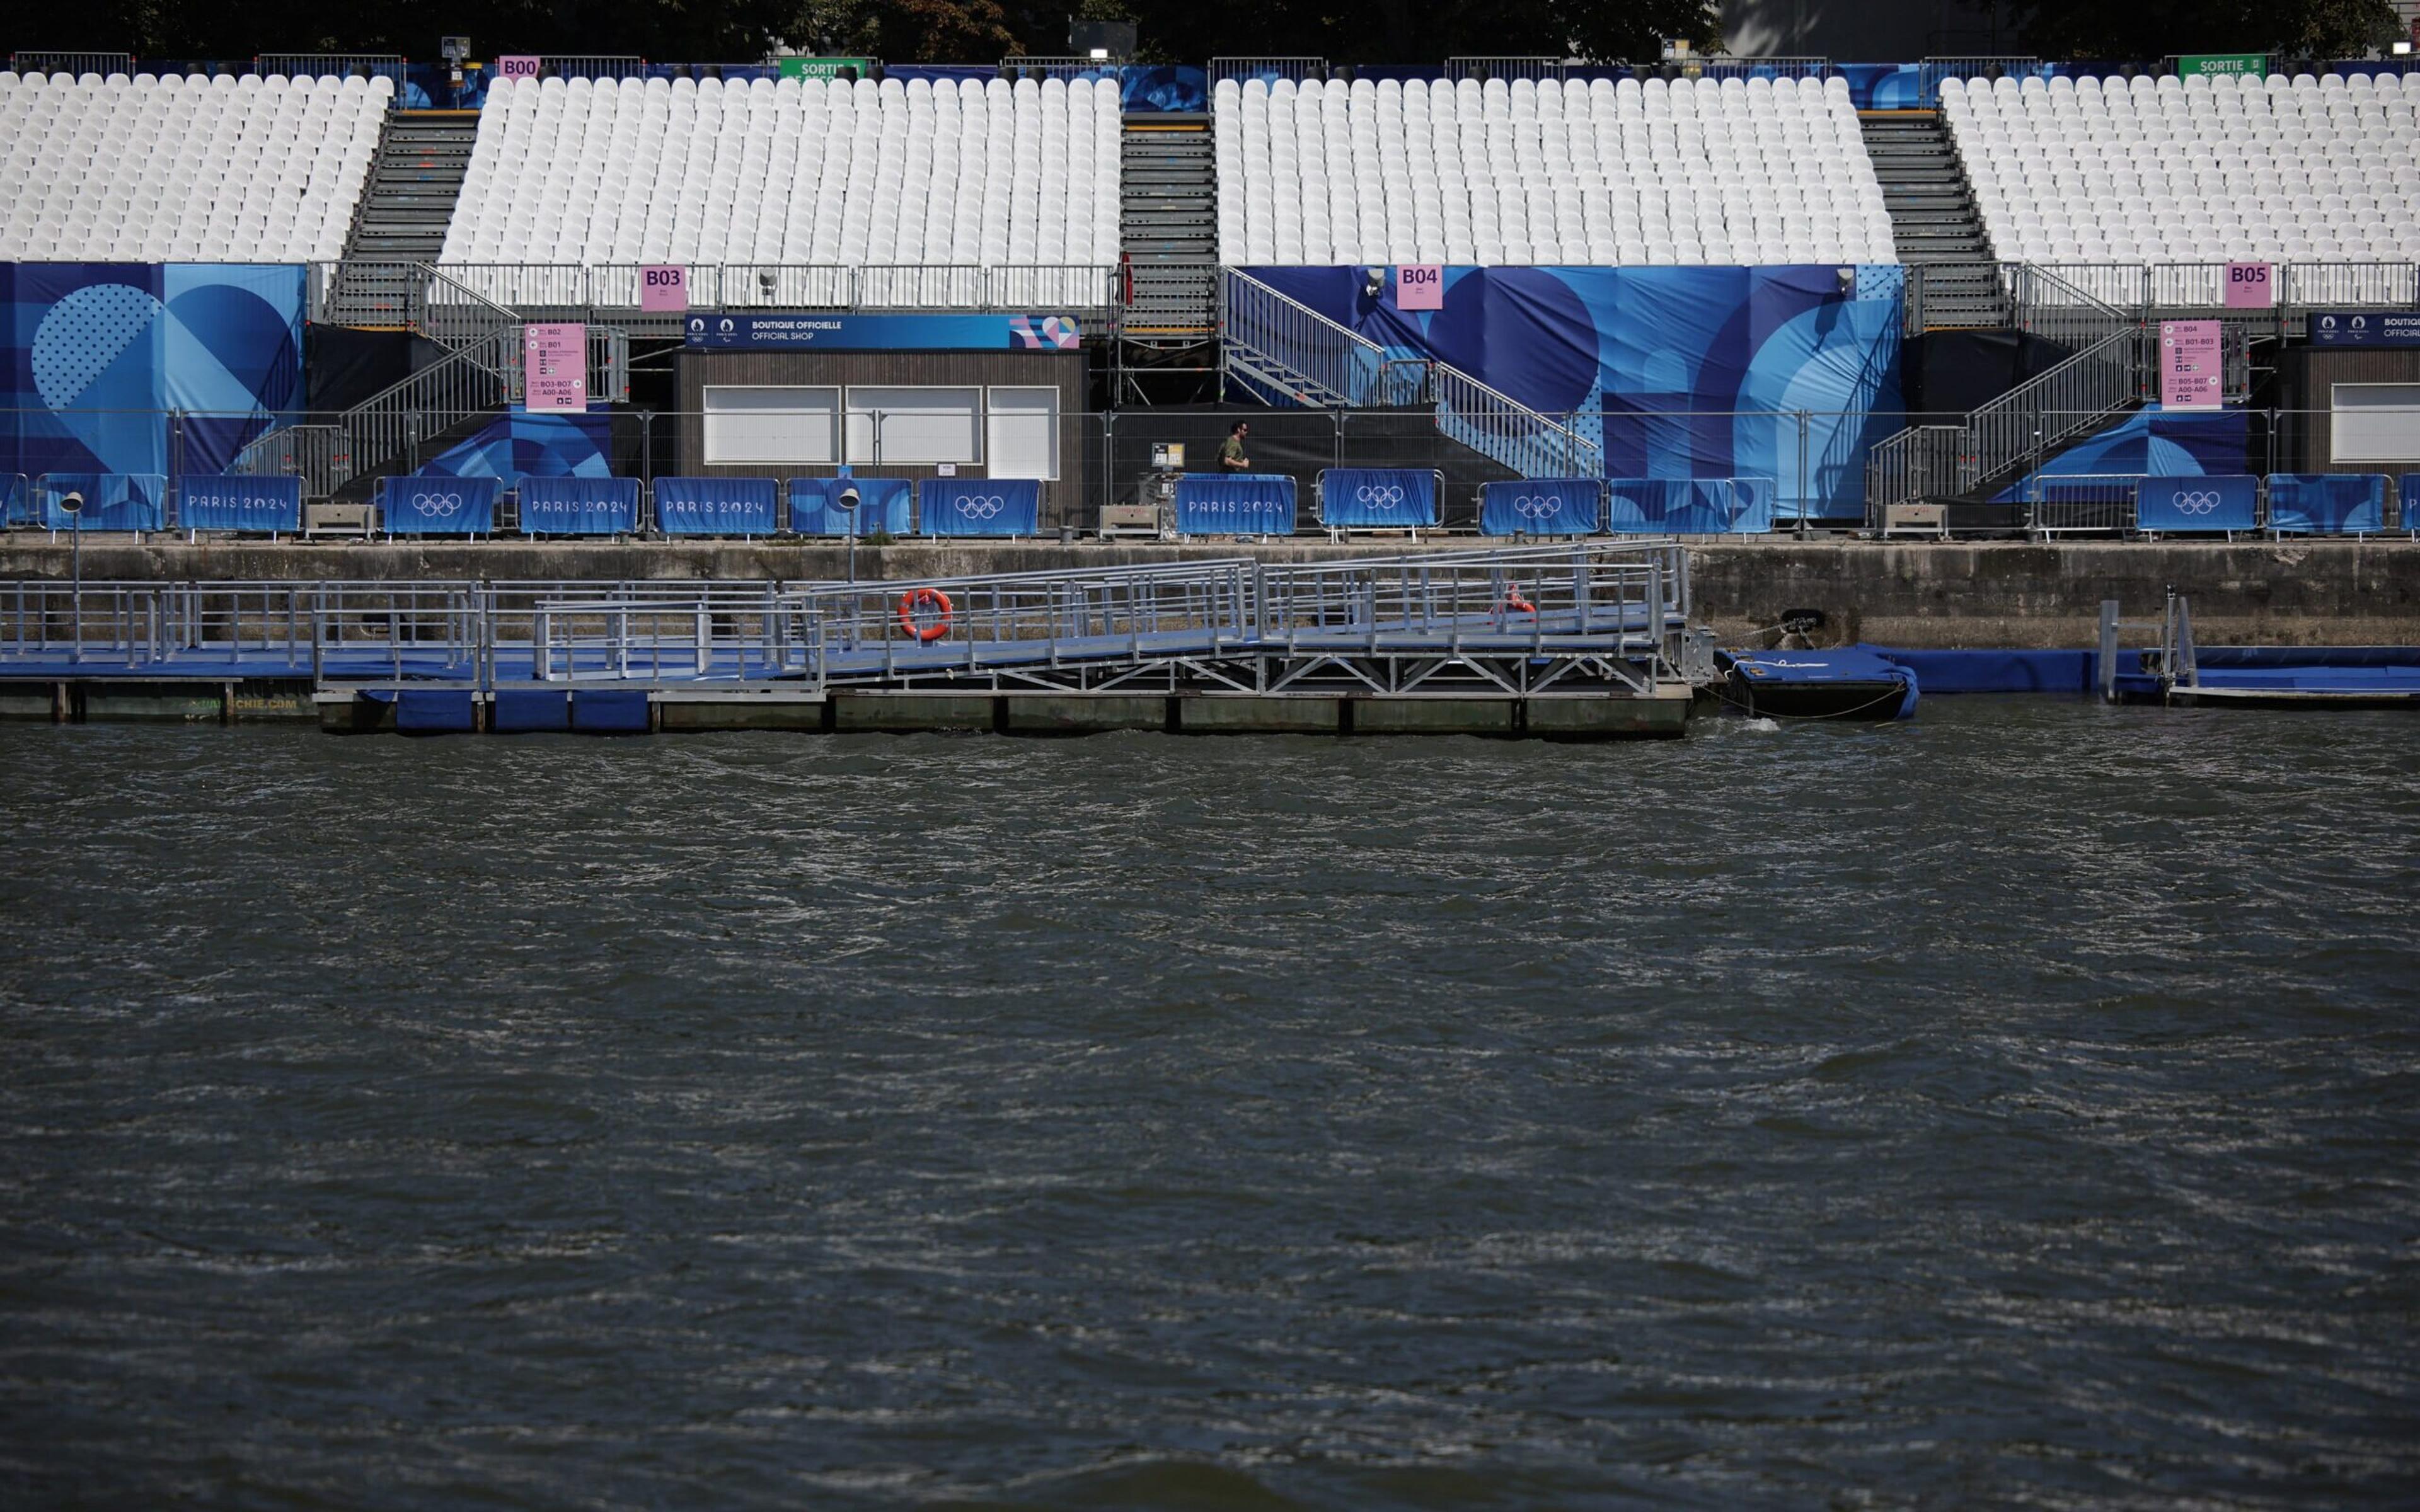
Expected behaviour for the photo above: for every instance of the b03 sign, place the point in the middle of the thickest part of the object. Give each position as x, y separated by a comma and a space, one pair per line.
1419, 287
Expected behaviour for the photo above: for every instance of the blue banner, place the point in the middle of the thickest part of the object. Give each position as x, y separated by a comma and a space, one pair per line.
1541, 506
1752, 505
2365, 328
432, 504
885, 333
112, 501
1378, 497
883, 504
2409, 500
239, 501
2327, 504
714, 506
1235, 504
2176, 502
16, 498
578, 506
1670, 507
980, 507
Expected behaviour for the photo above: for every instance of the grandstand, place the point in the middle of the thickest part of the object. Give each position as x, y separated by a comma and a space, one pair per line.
1540, 172
2199, 170
183, 168
791, 178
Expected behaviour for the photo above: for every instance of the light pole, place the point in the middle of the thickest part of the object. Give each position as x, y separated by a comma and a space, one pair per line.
849, 500
71, 505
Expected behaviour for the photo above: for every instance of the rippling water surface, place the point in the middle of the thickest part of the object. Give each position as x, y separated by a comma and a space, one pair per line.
2019, 1107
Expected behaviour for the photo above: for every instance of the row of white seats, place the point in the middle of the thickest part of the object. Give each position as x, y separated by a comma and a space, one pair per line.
2196, 170
1602, 172
183, 168
796, 172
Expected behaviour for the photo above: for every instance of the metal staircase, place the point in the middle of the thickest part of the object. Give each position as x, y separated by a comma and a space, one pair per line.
422, 160
1287, 353
1168, 222
1952, 276
2022, 428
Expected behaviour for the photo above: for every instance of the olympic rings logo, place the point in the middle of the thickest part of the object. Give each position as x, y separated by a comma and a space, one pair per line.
980, 507
438, 505
1380, 495
1538, 506
2197, 503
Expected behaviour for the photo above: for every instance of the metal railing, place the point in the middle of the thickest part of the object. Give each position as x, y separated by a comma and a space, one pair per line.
1531, 443
1075, 288
321, 455
593, 65
1808, 66
323, 65
1504, 68
2147, 289
1062, 67
1280, 344
79, 64
1241, 69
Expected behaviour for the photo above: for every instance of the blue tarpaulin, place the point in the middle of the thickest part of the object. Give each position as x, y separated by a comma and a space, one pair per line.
427, 504
1676, 506
112, 501
239, 501
1541, 506
1378, 497
16, 498
578, 506
980, 507
2177, 502
882, 504
2409, 500
2327, 504
714, 506
1235, 504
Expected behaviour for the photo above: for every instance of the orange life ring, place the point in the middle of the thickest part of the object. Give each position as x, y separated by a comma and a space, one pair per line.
916, 598
1514, 604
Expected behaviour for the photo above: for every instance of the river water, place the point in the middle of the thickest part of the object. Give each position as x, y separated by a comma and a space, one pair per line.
2016, 1106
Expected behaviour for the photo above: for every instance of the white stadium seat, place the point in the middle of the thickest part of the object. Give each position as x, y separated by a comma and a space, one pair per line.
1598, 172
183, 168
2195, 170
771, 181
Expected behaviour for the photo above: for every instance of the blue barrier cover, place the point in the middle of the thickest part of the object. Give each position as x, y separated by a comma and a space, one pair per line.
2177, 502
1541, 506
578, 506
16, 498
436, 711
2411, 500
1235, 504
980, 507
427, 504
714, 506
610, 711
112, 501
1670, 506
1752, 501
518, 710
239, 501
882, 504
1378, 497
2327, 504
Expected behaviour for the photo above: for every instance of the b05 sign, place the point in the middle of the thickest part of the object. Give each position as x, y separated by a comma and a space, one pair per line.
2250, 287
1419, 287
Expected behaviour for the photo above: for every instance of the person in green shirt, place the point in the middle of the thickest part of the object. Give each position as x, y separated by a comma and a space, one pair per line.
1230, 451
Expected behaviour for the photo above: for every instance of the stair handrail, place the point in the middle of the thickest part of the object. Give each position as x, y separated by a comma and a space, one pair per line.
2052, 406
468, 380
427, 276
1335, 358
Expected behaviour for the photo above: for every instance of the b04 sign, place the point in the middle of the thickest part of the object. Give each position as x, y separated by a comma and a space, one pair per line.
1419, 287
2251, 286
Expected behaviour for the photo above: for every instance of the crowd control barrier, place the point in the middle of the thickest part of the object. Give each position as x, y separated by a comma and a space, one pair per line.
2184, 505
112, 501
980, 506
2327, 504
430, 503
1688, 506
1235, 504
266, 504
715, 506
1541, 506
1379, 498
883, 506
578, 506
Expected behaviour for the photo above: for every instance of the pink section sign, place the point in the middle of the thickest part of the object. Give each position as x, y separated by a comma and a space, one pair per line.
554, 377
663, 287
2190, 365
2251, 286
516, 66
1419, 287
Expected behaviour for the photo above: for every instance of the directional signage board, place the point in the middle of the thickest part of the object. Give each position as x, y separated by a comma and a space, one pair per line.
2365, 328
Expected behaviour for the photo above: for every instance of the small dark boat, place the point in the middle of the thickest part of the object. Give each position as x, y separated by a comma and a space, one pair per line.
1817, 685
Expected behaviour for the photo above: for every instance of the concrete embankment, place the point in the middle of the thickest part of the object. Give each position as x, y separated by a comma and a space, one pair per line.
1943, 595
